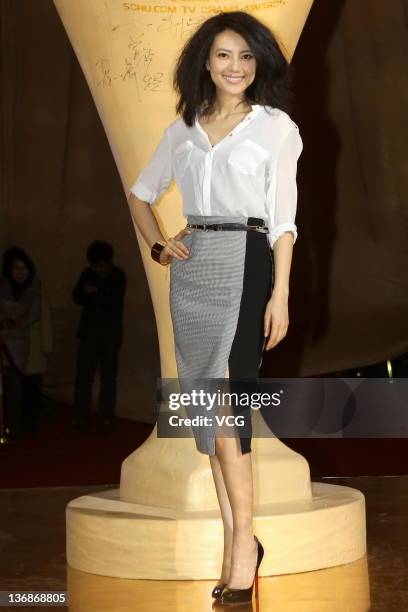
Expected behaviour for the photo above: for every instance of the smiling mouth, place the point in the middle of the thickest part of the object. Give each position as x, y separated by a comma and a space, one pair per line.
233, 79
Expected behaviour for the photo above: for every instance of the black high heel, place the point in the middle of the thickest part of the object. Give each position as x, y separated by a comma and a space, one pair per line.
240, 596
217, 590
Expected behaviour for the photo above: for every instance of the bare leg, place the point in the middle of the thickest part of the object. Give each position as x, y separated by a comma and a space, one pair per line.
232, 474
226, 515
236, 469
225, 508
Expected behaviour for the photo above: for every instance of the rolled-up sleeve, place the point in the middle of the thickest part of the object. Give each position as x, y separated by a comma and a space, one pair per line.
281, 196
156, 177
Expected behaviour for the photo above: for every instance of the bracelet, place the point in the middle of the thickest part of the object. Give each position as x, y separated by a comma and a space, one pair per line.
155, 252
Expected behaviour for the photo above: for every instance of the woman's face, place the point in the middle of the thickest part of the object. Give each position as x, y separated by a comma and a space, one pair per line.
19, 271
232, 64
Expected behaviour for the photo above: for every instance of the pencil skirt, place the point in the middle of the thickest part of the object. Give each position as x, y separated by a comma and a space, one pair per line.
218, 297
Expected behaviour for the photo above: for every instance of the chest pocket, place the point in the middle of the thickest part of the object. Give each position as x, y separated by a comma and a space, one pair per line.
182, 155
247, 157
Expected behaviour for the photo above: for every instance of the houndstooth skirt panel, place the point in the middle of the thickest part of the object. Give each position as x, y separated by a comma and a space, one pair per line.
217, 303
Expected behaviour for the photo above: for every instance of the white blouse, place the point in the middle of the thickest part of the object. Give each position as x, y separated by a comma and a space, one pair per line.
251, 172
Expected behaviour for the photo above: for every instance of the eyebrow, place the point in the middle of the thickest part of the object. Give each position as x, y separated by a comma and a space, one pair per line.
229, 50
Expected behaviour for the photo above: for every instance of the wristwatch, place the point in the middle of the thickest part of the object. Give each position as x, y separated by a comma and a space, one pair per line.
155, 252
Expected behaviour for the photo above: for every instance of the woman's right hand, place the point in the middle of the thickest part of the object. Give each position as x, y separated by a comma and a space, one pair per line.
175, 248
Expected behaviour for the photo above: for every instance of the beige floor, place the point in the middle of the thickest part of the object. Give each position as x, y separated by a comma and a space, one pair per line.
33, 558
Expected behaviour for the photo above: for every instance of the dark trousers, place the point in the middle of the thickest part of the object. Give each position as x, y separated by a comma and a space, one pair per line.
22, 401
32, 401
13, 400
96, 352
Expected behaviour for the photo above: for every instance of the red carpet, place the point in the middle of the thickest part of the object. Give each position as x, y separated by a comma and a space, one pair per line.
54, 456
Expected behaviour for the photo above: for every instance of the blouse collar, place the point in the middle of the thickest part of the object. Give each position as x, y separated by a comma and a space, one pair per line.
255, 110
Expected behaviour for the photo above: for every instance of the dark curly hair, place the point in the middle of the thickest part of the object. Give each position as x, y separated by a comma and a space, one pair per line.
99, 250
196, 91
10, 256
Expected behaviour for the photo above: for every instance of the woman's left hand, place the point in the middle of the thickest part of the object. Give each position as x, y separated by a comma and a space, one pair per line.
276, 318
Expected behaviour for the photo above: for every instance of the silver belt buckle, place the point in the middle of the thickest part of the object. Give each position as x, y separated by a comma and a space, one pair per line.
259, 228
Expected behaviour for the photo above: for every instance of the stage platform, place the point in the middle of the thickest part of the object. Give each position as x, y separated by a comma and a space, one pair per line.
33, 558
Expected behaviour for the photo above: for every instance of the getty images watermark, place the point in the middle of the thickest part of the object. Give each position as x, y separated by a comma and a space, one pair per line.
283, 407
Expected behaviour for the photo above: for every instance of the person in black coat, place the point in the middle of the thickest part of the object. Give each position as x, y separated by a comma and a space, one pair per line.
100, 291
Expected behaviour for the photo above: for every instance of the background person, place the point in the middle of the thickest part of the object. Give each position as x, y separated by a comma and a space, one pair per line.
20, 305
100, 291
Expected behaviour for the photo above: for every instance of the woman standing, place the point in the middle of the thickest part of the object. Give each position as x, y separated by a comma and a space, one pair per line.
233, 153
20, 307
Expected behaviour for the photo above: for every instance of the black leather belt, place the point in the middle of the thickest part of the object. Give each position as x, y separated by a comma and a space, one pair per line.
253, 224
